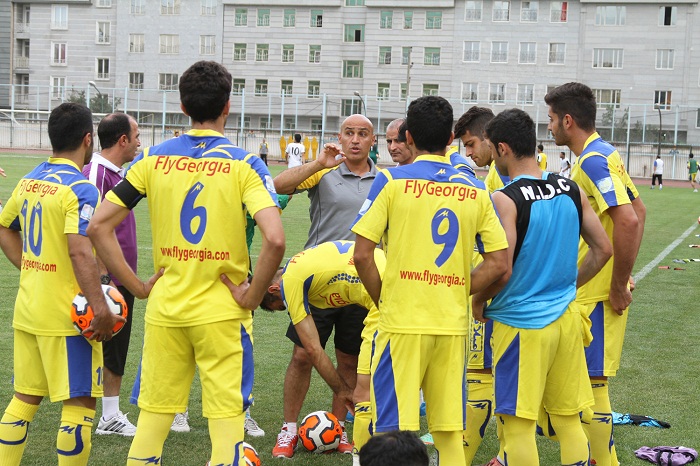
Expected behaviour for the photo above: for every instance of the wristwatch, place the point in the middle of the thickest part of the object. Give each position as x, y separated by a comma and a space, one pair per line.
105, 279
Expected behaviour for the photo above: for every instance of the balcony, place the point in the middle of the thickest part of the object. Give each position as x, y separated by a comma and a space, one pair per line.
21, 29
21, 63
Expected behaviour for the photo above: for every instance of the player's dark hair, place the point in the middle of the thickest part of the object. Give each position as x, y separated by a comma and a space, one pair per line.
68, 125
395, 448
575, 99
540, 147
269, 298
473, 120
429, 120
402, 133
112, 128
204, 90
297, 137
515, 128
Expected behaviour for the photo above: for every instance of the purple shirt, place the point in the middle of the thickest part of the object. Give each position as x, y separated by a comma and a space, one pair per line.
105, 175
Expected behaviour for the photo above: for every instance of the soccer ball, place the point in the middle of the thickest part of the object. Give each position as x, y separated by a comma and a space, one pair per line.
250, 455
81, 312
320, 431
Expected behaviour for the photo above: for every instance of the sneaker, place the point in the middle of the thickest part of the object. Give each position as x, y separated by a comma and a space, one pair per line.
661, 187
349, 417
252, 428
119, 424
494, 462
345, 446
422, 408
427, 439
180, 423
286, 443
652, 187
695, 190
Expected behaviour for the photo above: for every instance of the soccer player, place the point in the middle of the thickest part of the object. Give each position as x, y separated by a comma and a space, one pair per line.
541, 157
295, 152
537, 344
120, 141
52, 206
601, 174
198, 187
337, 183
692, 171
658, 173
565, 169
421, 338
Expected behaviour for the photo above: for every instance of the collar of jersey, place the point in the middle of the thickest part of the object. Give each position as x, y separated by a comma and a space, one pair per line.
590, 139
62, 161
99, 159
432, 158
203, 132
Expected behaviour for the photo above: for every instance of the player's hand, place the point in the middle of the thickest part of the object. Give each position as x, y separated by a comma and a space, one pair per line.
620, 299
331, 155
147, 286
2, 173
632, 283
478, 310
239, 292
346, 397
103, 323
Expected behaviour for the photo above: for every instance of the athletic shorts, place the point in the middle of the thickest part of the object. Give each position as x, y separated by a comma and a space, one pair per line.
60, 367
116, 349
692, 176
348, 327
541, 366
365, 359
479, 352
402, 364
608, 329
221, 351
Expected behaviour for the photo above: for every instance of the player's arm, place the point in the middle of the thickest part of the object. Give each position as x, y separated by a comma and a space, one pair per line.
626, 239
367, 267
287, 181
599, 247
11, 244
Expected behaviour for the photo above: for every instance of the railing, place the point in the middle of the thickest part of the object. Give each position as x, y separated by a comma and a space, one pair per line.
21, 63
21, 27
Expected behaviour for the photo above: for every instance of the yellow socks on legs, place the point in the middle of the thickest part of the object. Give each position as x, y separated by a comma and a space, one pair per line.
599, 429
449, 447
74, 440
518, 442
13, 431
572, 439
479, 411
147, 446
363, 418
226, 435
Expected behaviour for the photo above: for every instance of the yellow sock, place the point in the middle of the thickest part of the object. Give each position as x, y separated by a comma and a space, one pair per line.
74, 440
479, 411
226, 436
518, 442
600, 428
361, 428
572, 439
14, 426
449, 448
147, 446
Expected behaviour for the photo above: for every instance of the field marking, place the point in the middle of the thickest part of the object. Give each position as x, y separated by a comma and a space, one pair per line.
662, 255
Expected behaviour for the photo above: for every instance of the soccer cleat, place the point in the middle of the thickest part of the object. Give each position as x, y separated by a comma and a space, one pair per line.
345, 446
180, 423
349, 417
695, 190
119, 424
494, 462
286, 443
252, 428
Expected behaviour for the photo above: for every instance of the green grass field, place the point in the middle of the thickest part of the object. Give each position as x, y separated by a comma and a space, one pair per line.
657, 377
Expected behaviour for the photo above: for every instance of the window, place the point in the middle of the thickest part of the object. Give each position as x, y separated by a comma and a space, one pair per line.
241, 17
385, 55
526, 94
607, 58
431, 56
431, 89
499, 52
287, 53
697, 119
314, 54
169, 7
557, 53
138, 7
207, 45
667, 16
208, 8
403, 91
261, 87
470, 92
528, 53
104, 4
290, 18
528, 12
136, 81
662, 99
610, 15
290, 123
386, 19
664, 59
316, 124
103, 32
316, 18
262, 52
238, 87
405, 55
313, 90
472, 11
265, 122
471, 51
102, 68
501, 11
433, 19
354, 2
59, 17
58, 53
169, 43
240, 52
58, 87
350, 106
168, 81
408, 20
607, 97
354, 33
558, 12
287, 87
263, 17
245, 121
383, 90
352, 68
136, 43
497, 93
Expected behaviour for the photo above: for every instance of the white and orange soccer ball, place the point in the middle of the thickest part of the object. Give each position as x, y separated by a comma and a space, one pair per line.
81, 312
320, 431
250, 455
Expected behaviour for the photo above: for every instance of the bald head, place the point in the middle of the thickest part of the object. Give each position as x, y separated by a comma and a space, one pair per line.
356, 138
357, 120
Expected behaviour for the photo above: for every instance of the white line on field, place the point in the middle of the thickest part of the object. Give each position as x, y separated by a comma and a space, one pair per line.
662, 255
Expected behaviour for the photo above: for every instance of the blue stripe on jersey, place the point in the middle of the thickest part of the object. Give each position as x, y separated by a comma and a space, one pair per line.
79, 366
595, 354
597, 169
505, 382
307, 287
87, 194
464, 400
136, 389
460, 163
385, 393
378, 184
488, 349
248, 369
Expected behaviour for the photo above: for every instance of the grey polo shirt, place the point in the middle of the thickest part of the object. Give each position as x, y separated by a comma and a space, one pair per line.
336, 195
